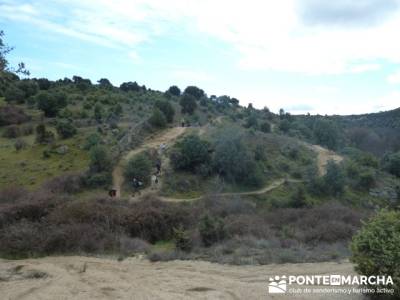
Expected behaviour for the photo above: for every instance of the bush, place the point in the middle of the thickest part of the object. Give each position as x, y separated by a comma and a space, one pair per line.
20, 144
334, 179
12, 115
44, 136
100, 160
326, 134
166, 109
234, 161
376, 248
211, 230
194, 91
92, 140
11, 132
14, 93
174, 90
265, 127
391, 163
189, 153
138, 167
188, 104
50, 104
98, 179
182, 239
158, 119
65, 129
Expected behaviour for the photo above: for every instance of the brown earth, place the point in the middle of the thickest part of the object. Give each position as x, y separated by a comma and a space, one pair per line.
85, 278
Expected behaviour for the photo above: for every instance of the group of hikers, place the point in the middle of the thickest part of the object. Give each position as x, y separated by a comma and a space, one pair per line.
136, 183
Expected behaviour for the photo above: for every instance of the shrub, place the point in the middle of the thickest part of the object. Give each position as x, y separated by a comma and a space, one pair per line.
194, 91
92, 140
298, 198
65, 129
12, 115
158, 119
11, 132
182, 239
234, 161
50, 104
326, 133
391, 163
138, 167
98, 179
211, 230
190, 153
167, 109
14, 93
19, 144
376, 248
67, 183
188, 104
100, 160
265, 127
366, 180
43, 136
334, 179
98, 112
174, 90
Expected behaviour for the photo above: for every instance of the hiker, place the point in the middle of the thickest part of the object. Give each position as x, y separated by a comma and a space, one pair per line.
112, 193
154, 181
136, 186
158, 166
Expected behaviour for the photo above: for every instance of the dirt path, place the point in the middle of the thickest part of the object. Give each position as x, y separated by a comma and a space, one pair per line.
84, 278
324, 155
166, 137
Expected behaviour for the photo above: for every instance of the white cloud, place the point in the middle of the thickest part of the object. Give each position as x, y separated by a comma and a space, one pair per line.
394, 78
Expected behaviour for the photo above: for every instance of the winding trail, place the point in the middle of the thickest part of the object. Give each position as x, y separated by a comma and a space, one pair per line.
165, 137
168, 136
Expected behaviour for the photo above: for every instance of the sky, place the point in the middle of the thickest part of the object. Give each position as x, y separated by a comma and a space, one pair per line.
317, 56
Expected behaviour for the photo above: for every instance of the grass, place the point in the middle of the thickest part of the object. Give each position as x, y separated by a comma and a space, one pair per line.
28, 167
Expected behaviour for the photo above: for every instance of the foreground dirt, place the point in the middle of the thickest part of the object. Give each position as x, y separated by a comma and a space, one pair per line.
135, 278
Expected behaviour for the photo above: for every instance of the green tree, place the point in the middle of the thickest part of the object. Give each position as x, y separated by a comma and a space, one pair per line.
190, 153
4, 64
326, 134
166, 109
138, 167
211, 230
252, 122
194, 91
234, 161
158, 119
174, 90
13, 93
334, 179
50, 104
265, 127
391, 163
298, 198
284, 125
65, 129
375, 248
188, 104
100, 160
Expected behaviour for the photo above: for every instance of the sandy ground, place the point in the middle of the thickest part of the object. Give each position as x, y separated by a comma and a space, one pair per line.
325, 155
84, 278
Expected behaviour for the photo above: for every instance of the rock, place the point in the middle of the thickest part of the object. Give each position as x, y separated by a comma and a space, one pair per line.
62, 150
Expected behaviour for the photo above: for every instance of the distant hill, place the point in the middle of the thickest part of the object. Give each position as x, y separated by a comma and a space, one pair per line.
386, 119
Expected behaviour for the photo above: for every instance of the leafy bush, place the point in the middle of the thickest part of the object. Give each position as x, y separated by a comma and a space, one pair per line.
14, 93
174, 90
158, 119
188, 104
138, 167
100, 160
65, 129
20, 144
391, 163
326, 134
190, 153
182, 239
44, 136
334, 179
194, 91
234, 161
50, 104
211, 230
376, 248
11, 132
265, 127
166, 109
92, 140
10, 114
